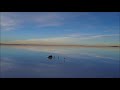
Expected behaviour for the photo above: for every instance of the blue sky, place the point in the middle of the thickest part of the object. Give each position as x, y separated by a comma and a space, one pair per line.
60, 27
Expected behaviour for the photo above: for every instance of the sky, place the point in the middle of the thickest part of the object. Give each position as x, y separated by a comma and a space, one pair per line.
60, 28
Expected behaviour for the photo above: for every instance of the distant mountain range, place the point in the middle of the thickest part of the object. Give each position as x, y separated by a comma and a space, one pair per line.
63, 45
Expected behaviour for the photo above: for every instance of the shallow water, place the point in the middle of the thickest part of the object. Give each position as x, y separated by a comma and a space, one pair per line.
68, 62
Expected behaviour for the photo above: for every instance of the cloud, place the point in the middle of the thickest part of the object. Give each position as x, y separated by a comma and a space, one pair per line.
101, 36
90, 36
44, 41
78, 35
11, 21
48, 20
111, 28
8, 23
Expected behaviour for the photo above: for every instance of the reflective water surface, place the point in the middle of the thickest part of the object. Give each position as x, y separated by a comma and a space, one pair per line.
66, 62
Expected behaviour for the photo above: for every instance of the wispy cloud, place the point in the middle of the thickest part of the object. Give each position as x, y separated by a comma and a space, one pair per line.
78, 35
8, 23
48, 20
101, 36
11, 21
111, 29
90, 36
49, 41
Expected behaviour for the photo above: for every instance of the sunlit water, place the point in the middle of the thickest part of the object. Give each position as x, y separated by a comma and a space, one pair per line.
67, 62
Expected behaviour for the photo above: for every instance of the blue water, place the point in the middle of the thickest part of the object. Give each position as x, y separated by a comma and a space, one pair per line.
69, 62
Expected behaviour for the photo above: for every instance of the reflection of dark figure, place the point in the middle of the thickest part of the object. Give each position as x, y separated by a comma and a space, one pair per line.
58, 57
50, 57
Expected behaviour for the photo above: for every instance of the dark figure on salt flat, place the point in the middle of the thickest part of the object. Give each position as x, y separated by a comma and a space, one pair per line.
50, 57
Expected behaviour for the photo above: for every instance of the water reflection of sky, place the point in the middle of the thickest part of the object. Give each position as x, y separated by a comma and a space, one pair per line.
29, 61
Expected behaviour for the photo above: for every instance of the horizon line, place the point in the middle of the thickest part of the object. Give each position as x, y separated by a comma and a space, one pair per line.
63, 45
